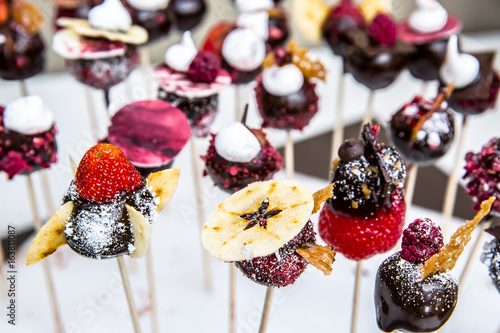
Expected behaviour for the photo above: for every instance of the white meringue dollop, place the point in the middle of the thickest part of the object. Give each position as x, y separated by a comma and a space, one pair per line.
236, 143
244, 50
430, 16
283, 81
180, 56
110, 15
253, 5
257, 21
459, 68
28, 115
150, 5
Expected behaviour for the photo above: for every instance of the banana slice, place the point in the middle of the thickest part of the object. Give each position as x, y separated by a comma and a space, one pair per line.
50, 236
135, 35
164, 184
141, 229
309, 16
257, 220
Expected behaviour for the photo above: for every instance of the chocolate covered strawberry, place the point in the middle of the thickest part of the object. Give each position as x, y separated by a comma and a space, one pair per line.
107, 210
365, 215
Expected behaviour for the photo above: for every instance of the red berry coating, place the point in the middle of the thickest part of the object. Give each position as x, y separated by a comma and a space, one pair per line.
204, 68
482, 171
382, 30
360, 238
105, 173
421, 240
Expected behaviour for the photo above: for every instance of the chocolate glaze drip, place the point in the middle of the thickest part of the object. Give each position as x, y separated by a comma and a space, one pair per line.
402, 301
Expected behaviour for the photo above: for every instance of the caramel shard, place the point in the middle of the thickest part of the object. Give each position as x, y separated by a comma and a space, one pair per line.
321, 196
50, 236
447, 257
321, 257
164, 184
141, 229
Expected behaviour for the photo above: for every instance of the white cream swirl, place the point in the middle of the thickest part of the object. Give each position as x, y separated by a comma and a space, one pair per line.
110, 15
236, 143
430, 16
253, 5
257, 21
244, 50
283, 81
180, 56
149, 5
459, 68
28, 115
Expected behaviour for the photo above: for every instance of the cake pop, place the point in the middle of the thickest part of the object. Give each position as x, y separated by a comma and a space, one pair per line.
414, 289
150, 134
423, 130
265, 229
107, 210
285, 94
191, 80
100, 52
27, 136
152, 15
238, 156
366, 214
188, 13
476, 81
22, 51
428, 28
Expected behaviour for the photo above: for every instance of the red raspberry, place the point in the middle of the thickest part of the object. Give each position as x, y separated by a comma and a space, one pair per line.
204, 68
361, 238
382, 30
104, 173
421, 240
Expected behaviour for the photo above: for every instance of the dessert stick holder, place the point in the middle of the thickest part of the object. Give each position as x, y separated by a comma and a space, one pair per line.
410, 184
289, 156
94, 124
152, 290
266, 311
128, 292
45, 263
369, 110
201, 215
473, 253
232, 298
355, 300
338, 130
452, 185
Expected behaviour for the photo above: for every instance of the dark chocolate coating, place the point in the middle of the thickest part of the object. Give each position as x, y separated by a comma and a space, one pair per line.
402, 301
201, 112
419, 150
22, 55
351, 149
427, 60
156, 22
188, 13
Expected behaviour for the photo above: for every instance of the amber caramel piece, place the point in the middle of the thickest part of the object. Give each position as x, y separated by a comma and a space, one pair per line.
447, 257
28, 15
321, 196
308, 67
321, 257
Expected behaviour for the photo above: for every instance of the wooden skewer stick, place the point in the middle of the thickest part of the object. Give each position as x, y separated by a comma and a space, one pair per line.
45, 263
152, 290
146, 72
94, 124
232, 298
452, 185
128, 292
22, 88
201, 215
338, 131
47, 193
410, 184
355, 300
425, 88
369, 110
473, 253
266, 310
289, 156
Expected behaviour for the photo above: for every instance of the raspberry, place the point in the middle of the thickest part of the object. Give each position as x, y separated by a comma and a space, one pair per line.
104, 173
383, 30
204, 67
482, 171
360, 238
421, 240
